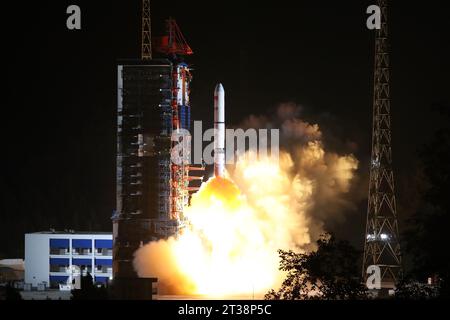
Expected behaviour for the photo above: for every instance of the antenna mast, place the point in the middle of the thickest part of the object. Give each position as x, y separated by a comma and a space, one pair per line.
146, 50
382, 245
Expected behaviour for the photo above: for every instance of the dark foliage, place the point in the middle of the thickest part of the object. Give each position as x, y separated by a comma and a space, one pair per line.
427, 238
328, 273
409, 289
89, 291
12, 293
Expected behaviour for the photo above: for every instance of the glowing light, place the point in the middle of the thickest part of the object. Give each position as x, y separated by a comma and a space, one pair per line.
371, 237
384, 236
237, 224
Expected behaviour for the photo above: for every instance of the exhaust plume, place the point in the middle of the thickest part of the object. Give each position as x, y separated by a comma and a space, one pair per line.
238, 222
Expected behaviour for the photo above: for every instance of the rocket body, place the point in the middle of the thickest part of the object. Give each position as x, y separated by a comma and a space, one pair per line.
219, 131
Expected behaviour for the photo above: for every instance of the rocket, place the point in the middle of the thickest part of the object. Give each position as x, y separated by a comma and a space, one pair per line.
219, 131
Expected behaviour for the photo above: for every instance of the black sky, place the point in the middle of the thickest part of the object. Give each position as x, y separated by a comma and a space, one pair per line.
59, 99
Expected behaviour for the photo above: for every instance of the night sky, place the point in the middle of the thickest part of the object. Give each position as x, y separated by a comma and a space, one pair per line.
59, 101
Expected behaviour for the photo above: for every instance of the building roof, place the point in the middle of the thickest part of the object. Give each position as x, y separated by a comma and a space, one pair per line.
71, 232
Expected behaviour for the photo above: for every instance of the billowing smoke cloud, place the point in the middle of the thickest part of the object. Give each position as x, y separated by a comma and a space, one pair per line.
332, 175
237, 224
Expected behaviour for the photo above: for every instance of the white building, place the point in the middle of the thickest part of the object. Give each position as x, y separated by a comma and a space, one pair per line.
57, 258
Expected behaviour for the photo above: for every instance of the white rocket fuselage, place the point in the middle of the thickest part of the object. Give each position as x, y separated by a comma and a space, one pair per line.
219, 132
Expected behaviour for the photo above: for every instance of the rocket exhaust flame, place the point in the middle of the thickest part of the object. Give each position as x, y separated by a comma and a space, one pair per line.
237, 224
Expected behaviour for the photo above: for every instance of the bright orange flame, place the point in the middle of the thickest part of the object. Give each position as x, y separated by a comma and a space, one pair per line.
224, 251
237, 225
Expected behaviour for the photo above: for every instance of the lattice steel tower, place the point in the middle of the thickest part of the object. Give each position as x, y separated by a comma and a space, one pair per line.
382, 247
146, 36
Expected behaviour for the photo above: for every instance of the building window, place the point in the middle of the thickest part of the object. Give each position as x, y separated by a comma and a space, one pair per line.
59, 246
59, 265
82, 251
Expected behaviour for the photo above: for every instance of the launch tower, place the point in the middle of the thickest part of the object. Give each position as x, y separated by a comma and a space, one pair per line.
152, 191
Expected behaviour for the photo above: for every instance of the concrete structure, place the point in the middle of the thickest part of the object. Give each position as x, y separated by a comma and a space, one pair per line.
55, 259
46, 295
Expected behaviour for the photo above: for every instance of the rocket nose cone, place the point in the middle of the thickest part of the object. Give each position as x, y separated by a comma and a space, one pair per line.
219, 88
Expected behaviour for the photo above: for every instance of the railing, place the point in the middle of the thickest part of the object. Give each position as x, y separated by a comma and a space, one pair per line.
59, 251
59, 269
81, 252
104, 270
83, 272
104, 252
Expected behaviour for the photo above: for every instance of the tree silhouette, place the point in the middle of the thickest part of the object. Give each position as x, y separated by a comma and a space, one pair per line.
427, 238
328, 273
12, 293
89, 291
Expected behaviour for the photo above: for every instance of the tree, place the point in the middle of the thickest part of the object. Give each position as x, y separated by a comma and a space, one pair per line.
89, 291
329, 273
427, 238
12, 293
413, 290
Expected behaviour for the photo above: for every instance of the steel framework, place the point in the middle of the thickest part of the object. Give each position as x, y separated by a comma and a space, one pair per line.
382, 246
146, 45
